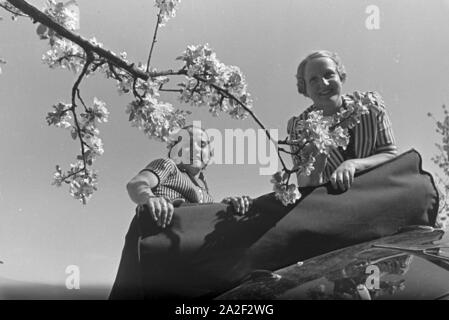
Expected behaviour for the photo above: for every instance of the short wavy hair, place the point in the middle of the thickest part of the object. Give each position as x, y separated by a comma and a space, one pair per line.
300, 73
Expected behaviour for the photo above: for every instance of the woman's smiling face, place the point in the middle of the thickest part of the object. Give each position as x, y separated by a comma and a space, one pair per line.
192, 148
200, 149
323, 82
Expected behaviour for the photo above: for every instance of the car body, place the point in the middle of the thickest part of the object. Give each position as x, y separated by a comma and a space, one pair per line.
413, 264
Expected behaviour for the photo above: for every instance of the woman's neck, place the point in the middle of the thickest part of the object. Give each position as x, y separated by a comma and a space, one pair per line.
191, 171
331, 108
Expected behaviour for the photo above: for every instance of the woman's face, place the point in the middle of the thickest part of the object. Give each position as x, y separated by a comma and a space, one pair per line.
323, 83
192, 149
200, 146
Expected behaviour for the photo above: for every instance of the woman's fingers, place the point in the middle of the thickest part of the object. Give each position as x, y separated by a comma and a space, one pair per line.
171, 210
351, 176
346, 179
164, 212
334, 180
245, 204
157, 211
340, 181
343, 177
167, 212
236, 204
241, 205
248, 201
337, 179
150, 205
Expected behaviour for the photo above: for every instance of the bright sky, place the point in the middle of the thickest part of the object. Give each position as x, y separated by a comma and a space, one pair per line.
43, 230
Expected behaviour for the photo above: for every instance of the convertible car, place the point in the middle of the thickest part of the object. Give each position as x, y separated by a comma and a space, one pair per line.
413, 264
358, 244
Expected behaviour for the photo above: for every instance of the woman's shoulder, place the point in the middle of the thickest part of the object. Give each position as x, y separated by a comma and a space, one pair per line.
163, 164
292, 121
291, 124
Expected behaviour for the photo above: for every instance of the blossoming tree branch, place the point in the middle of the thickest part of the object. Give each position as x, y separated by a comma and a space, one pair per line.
207, 82
441, 159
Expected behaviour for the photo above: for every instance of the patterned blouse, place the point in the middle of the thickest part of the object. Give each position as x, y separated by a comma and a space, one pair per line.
174, 183
372, 135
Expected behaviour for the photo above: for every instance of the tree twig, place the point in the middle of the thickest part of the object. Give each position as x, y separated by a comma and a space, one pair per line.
72, 174
17, 13
75, 89
136, 94
98, 64
81, 100
285, 151
171, 90
114, 73
41, 17
230, 95
154, 39
161, 88
66, 57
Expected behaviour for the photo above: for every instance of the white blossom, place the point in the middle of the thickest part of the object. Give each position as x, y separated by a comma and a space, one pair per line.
286, 193
210, 82
65, 54
167, 9
156, 119
100, 111
60, 117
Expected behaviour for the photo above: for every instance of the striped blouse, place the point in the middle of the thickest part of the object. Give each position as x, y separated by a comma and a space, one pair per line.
175, 184
372, 135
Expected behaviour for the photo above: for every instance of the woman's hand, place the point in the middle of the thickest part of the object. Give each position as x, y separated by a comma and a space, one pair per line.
241, 204
343, 176
161, 209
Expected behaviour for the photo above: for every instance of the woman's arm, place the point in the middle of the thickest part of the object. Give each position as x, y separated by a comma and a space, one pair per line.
155, 173
385, 147
343, 176
139, 190
374, 160
139, 187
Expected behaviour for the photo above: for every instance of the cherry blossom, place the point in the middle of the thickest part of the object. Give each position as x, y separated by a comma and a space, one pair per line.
167, 9
210, 82
284, 192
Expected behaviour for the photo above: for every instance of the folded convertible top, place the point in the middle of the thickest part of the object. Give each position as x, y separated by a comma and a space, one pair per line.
208, 249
